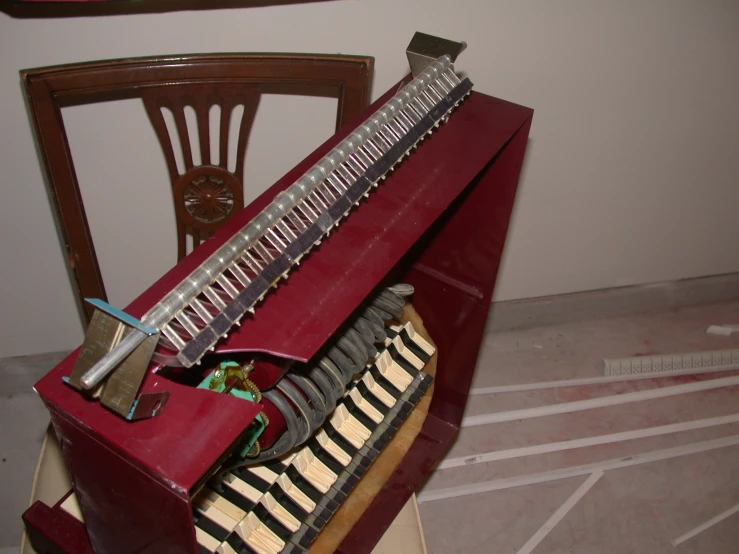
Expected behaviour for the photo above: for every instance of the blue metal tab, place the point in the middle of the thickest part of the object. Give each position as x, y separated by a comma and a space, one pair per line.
121, 316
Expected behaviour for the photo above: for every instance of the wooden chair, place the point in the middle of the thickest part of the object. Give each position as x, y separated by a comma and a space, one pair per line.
205, 195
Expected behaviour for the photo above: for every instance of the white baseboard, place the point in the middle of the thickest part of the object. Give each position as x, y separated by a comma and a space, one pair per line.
553, 310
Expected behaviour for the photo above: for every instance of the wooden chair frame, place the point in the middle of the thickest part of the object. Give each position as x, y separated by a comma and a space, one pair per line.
49, 89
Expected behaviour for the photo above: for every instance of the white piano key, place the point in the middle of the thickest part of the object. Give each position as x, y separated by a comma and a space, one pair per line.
206, 507
406, 353
391, 371
381, 394
398, 126
263, 473
287, 458
349, 428
332, 448
298, 496
280, 513
369, 410
386, 133
418, 340
382, 144
258, 536
314, 471
220, 503
434, 94
252, 262
315, 202
225, 548
242, 487
206, 541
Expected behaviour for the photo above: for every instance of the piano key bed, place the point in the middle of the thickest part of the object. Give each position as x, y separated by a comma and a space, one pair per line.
284, 505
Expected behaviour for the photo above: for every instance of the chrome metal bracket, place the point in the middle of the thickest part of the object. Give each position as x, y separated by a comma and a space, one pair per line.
108, 328
425, 49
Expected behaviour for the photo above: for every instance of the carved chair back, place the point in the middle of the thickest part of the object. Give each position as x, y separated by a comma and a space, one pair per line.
205, 192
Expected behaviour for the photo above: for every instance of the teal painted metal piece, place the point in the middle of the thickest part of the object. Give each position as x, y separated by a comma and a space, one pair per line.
218, 381
121, 315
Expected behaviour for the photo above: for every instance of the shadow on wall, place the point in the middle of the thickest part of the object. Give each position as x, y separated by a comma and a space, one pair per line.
30, 9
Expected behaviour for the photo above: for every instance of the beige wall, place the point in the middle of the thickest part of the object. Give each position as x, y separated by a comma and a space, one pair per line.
632, 173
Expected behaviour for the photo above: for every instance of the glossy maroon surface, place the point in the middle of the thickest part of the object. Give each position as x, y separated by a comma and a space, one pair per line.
439, 221
453, 269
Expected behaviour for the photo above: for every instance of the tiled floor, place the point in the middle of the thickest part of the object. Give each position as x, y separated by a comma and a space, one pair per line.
638, 509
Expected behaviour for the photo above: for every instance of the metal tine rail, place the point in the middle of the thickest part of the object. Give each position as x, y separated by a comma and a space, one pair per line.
194, 315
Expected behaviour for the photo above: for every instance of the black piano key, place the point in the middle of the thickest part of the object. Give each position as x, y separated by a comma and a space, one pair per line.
303, 537
292, 548
234, 497
251, 479
239, 545
386, 385
272, 523
345, 483
284, 500
385, 438
305, 486
371, 398
211, 527
276, 466
338, 438
359, 414
420, 353
203, 550
327, 459
391, 333
323, 511
401, 361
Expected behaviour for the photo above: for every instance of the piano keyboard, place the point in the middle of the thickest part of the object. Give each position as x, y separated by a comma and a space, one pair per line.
281, 505
194, 315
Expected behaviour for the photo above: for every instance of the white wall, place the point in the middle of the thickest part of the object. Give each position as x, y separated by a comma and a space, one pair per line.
632, 173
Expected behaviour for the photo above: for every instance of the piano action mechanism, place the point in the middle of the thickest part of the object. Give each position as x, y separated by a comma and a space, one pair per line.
232, 409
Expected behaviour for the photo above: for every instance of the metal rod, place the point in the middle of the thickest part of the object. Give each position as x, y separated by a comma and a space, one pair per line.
112, 359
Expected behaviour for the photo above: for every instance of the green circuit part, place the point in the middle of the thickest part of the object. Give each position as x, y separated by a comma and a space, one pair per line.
231, 378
